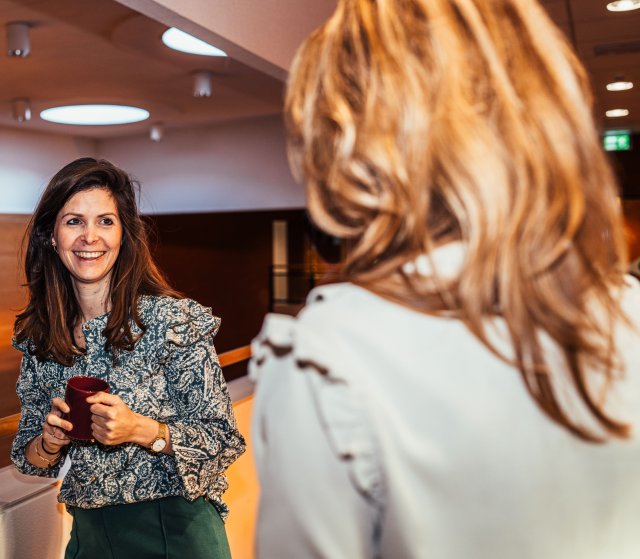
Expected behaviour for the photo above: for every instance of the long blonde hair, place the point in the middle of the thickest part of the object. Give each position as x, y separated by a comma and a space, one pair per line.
417, 122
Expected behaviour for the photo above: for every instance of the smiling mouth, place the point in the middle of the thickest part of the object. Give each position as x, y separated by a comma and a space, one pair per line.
89, 255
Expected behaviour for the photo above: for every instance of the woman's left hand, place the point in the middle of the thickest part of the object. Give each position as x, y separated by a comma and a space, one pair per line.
112, 421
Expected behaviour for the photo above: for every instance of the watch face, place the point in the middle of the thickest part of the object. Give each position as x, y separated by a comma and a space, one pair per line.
158, 445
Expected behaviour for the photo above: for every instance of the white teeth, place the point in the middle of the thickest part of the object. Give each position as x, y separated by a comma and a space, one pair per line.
88, 254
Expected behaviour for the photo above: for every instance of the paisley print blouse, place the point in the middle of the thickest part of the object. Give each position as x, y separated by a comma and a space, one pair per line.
173, 376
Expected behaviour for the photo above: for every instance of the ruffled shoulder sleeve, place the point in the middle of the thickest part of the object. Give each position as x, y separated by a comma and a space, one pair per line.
25, 346
188, 322
302, 358
177, 323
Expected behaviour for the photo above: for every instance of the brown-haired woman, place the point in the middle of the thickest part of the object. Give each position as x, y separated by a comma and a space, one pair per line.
472, 389
151, 481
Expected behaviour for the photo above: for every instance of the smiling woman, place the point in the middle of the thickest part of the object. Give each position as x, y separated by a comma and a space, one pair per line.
164, 433
87, 237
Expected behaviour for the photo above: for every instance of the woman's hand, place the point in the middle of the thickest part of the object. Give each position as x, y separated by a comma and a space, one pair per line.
54, 430
113, 422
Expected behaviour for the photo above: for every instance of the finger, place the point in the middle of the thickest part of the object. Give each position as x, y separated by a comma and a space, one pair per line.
99, 421
61, 405
61, 435
55, 421
100, 434
56, 440
97, 429
104, 398
102, 411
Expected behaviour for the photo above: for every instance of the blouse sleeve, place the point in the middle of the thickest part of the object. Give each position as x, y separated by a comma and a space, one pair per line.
35, 404
204, 436
319, 482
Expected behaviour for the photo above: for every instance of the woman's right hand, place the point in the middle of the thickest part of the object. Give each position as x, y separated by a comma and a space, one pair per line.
54, 430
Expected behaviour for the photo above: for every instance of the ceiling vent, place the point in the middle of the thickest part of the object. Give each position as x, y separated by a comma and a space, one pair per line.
617, 48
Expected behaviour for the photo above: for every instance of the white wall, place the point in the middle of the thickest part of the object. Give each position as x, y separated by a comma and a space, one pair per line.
238, 165
27, 162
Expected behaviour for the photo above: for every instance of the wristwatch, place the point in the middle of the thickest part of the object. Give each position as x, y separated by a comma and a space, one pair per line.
160, 442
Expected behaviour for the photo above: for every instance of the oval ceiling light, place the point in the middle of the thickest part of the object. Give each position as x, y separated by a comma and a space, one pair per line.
179, 40
619, 86
617, 113
623, 5
94, 115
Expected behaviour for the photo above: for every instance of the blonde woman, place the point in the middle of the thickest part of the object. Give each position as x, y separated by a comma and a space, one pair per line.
472, 390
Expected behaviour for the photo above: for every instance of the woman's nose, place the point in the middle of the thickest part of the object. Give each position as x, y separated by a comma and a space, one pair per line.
90, 235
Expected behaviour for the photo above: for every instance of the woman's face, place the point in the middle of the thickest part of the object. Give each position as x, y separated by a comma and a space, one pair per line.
87, 235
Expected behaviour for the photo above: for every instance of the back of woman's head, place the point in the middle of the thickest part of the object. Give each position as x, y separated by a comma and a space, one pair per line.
418, 122
53, 310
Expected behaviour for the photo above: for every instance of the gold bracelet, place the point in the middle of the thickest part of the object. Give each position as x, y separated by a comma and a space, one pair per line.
49, 462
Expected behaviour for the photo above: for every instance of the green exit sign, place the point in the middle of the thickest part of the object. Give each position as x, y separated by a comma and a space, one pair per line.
617, 142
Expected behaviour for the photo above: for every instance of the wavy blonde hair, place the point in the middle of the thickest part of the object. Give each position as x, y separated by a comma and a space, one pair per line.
417, 122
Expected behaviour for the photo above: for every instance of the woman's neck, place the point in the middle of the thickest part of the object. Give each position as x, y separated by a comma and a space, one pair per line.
93, 299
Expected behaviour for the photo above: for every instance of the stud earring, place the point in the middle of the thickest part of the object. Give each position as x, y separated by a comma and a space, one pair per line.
54, 245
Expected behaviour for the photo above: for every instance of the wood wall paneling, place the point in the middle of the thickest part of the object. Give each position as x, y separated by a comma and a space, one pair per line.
12, 299
222, 261
626, 165
631, 212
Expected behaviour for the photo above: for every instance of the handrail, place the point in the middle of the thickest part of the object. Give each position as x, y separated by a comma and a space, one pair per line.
9, 424
234, 356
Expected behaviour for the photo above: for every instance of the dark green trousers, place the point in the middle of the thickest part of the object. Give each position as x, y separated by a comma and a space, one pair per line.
170, 528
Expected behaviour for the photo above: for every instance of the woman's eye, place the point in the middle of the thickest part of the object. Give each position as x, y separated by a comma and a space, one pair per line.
107, 221
73, 221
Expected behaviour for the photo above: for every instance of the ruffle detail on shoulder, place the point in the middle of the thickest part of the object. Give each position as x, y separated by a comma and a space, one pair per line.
189, 322
275, 338
24, 346
342, 413
338, 401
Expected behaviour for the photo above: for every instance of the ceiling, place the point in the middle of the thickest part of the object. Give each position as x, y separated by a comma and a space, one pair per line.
100, 51
609, 45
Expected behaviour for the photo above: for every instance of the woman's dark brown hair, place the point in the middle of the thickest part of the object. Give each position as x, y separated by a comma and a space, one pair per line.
52, 311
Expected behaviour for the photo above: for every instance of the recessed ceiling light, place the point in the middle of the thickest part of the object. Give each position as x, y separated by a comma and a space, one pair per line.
94, 115
623, 5
179, 40
617, 113
619, 86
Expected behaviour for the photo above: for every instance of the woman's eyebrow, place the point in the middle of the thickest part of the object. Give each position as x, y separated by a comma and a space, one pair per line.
78, 214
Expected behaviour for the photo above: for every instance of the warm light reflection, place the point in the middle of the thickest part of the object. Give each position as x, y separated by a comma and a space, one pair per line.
619, 86
623, 5
179, 40
94, 115
617, 113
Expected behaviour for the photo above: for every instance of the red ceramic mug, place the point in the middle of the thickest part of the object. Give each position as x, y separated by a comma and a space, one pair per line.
78, 390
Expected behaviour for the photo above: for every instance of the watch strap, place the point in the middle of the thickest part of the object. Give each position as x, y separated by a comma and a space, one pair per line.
161, 436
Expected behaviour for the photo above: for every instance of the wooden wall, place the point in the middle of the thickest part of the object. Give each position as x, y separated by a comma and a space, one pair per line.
12, 299
222, 261
631, 210
626, 165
